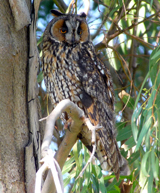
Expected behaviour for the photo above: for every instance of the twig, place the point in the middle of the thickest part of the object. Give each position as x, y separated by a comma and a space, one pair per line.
108, 38
93, 129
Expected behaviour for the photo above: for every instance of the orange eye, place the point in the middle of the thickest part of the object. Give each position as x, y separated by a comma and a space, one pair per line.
63, 30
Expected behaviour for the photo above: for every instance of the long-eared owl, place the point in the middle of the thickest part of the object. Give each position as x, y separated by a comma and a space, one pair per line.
73, 71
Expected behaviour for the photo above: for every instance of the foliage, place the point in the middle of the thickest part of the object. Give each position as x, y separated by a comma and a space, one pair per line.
132, 53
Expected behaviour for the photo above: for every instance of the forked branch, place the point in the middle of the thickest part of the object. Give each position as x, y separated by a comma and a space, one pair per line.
78, 119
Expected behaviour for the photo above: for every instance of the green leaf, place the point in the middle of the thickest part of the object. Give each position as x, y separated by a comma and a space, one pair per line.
154, 164
144, 130
98, 171
130, 143
124, 133
153, 63
120, 125
68, 165
144, 163
155, 55
85, 188
95, 182
40, 77
138, 97
129, 101
111, 186
150, 182
66, 181
75, 153
133, 123
133, 157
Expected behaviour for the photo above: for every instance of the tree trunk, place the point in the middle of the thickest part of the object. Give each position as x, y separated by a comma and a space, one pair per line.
18, 102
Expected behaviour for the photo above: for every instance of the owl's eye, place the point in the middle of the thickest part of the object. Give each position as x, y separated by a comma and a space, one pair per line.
63, 30
79, 31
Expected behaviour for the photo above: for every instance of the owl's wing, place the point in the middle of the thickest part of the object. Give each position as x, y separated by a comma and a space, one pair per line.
98, 100
97, 90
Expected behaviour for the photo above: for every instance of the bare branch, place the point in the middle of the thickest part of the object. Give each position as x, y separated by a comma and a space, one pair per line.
108, 37
78, 119
65, 105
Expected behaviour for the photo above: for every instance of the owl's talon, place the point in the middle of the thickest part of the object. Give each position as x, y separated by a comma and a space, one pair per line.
67, 125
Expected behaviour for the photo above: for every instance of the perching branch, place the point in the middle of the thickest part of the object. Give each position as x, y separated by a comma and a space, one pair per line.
64, 106
78, 119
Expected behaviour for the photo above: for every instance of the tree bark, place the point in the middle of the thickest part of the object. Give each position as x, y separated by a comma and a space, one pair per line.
17, 127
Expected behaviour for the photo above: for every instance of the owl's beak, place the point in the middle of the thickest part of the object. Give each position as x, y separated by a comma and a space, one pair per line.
73, 39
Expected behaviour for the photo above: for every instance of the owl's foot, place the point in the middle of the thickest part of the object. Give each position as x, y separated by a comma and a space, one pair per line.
93, 129
68, 124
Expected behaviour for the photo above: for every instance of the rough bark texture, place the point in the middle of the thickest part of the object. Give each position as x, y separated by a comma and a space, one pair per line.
18, 126
13, 107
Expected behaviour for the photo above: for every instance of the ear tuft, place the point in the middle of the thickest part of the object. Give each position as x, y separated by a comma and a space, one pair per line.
83, 15
56, 13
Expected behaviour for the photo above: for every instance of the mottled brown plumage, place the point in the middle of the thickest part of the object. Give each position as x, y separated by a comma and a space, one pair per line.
72, 70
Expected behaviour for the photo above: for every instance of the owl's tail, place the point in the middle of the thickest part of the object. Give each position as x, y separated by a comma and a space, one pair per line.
107, 150
112, 160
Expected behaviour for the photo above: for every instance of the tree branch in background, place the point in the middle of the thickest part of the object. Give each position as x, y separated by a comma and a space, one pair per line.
108, 38
61, 5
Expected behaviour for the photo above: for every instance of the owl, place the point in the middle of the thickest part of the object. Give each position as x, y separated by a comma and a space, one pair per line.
72, 70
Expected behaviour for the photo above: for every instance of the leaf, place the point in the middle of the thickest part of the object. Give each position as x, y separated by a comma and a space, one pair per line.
95, 182
138, 97
153, 63
66, 181
133, 157
130, 143
144, 130
75, 153
68, 165
127, 99
85, 187
155, 54
154, 164
124, 133
120, 125
144, 163
133, 123
150, 182
40, 77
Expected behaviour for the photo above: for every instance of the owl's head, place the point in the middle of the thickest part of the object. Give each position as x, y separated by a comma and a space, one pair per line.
70, 28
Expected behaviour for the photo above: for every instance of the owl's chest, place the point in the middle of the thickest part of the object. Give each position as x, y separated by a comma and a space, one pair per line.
63, 80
